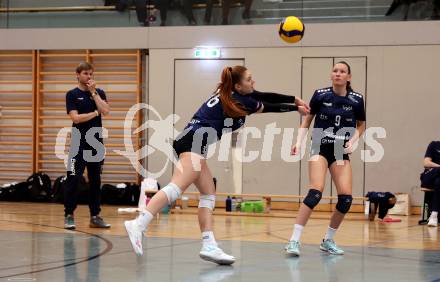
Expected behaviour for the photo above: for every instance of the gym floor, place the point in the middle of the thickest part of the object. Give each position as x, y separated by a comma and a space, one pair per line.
35, 247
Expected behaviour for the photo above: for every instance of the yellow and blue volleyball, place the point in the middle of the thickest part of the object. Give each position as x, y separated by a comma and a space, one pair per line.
291, 29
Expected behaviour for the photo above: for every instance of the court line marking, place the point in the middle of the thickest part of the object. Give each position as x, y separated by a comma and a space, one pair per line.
42, 263
194, 241
109, 247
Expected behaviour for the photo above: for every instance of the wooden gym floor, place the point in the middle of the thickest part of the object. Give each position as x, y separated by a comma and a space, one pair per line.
35, 247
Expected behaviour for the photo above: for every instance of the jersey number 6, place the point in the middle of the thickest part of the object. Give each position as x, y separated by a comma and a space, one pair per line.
213, 101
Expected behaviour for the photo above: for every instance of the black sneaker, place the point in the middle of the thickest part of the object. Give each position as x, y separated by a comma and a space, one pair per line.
69, 222
98, 222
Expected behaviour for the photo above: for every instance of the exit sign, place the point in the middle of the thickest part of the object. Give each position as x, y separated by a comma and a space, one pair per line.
207, 53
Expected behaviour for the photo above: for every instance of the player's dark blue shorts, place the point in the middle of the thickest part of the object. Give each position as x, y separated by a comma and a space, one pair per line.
193, 142
328, 152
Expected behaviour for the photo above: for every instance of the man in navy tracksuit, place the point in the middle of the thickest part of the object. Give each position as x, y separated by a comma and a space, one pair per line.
85, 104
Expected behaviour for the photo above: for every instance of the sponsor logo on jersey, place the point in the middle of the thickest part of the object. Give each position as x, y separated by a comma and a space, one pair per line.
327, 104
322, 116
72, 166
194, 121
347, 107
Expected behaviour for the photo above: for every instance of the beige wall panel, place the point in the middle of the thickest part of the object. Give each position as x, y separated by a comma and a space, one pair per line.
276, 70
161, 77
404, 99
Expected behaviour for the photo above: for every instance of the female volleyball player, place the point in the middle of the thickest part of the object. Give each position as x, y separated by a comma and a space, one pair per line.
226, 109
340, 121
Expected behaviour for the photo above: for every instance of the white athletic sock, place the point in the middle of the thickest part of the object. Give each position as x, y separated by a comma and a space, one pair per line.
434, 214
144, 219
297, 230
208, 238
330, 233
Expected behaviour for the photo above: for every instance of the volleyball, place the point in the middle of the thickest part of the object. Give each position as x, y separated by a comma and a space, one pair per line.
291, 29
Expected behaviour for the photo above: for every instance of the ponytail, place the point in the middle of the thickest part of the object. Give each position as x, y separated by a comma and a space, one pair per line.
229, 77
349, 89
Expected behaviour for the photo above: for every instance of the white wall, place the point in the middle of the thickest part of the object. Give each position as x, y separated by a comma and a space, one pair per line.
402, 82
402, 94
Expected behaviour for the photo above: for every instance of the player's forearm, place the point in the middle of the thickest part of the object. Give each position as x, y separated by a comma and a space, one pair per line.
304, 128
302, 134
428, 163
360, 129
278, 108
303, 131
80, 118
103, 106
271, 97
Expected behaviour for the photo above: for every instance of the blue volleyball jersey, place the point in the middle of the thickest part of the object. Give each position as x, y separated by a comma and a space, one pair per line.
211, 114
333, 113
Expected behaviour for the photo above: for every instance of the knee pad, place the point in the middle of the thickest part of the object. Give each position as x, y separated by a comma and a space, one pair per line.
312, 199
344, 203
172, 191
207, 201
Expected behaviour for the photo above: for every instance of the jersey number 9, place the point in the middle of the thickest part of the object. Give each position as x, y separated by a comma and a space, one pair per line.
337, 120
